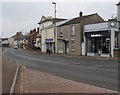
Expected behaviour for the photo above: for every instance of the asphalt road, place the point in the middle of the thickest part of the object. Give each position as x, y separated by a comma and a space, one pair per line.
97, 72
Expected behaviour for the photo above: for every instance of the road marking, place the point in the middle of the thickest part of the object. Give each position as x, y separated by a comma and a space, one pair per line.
95, 66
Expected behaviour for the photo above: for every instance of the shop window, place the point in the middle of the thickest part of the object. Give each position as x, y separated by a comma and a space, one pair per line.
72, 45
73, 30
91, 45
106, 45
116, 39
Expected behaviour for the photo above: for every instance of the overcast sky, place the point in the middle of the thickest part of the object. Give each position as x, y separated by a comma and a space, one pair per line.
24, 16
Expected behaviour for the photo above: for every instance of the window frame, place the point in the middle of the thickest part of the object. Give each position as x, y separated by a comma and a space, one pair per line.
72, 30
73, 45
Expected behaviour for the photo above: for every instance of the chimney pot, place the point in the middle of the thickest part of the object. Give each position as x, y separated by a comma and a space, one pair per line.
81, 14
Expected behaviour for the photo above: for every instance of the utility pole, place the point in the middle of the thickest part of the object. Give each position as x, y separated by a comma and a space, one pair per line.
55, 34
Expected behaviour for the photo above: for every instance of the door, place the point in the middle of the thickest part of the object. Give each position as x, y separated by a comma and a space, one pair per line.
97, 47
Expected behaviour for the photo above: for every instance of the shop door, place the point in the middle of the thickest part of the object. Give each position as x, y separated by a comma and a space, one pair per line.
97, 45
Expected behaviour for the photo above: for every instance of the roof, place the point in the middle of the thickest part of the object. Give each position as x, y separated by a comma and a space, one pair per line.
32, 34
78, 19
57, 24
3, 39
70, 21
44, 19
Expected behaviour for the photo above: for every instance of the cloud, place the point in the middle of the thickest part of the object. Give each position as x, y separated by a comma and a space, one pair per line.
18, 16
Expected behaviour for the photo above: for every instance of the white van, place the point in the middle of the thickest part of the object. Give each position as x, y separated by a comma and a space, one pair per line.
15, 47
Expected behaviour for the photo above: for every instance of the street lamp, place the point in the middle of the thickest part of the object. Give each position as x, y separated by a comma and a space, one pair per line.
55, 34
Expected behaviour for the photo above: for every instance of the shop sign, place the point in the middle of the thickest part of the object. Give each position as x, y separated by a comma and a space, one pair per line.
49, 40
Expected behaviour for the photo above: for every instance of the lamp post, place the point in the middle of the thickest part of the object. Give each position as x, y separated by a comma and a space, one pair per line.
55, 34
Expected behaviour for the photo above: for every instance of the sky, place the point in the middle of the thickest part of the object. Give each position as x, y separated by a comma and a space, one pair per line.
24, 16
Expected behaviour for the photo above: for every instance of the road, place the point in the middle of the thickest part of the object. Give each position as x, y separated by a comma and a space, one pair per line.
97, 72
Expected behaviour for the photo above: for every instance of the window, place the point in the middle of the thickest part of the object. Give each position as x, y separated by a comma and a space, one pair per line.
72, 45
46, 34
73, 30
61, 30
117, 39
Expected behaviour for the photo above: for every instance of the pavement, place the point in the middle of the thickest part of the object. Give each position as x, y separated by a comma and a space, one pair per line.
37, 81
32, 81
8, 73
101, 73
75, 56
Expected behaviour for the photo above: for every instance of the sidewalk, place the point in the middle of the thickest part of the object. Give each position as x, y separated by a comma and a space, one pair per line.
75, 56
8, 73
32, 81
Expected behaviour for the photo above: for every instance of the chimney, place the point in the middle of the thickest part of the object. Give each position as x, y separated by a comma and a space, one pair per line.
81, 14
31, 31
34, 30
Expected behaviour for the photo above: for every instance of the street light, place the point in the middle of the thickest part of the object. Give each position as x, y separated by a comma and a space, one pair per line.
55, 34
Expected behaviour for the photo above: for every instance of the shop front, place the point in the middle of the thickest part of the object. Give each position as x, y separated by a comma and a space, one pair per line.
100, 39
98, 43
50, 45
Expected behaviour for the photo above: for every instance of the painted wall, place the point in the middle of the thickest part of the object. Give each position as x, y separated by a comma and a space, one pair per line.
46, 34
11, 42
118, 7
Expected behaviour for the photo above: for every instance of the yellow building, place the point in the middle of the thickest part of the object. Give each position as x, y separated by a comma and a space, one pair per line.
48, 40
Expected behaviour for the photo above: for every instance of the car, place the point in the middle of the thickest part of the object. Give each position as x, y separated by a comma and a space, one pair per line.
15, 47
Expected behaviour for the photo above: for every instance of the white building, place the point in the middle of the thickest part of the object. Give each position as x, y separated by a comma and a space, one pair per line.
101, 39
48, 40
48, 34
118, 17
118, 9
11, 41
5, 42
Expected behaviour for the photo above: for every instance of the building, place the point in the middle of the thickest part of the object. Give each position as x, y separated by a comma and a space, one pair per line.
48, 40
11, 41
15, 39
100, 39
118, 9
118, 18
70, 33
31, 39
38, 40
5, 42
47, 32
0, 42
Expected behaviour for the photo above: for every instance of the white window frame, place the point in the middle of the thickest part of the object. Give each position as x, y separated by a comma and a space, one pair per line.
72, 29
72, 45
46, 33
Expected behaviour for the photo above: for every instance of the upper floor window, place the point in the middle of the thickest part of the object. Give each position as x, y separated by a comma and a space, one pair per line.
46, 33
73, 30
117, 35
61, 31
72, 45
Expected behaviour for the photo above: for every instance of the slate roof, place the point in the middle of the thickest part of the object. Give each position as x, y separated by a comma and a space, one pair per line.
78, 19
57, 24
53, 19
70, 21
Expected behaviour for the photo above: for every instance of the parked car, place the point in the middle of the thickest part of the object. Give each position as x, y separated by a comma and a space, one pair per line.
15, 47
